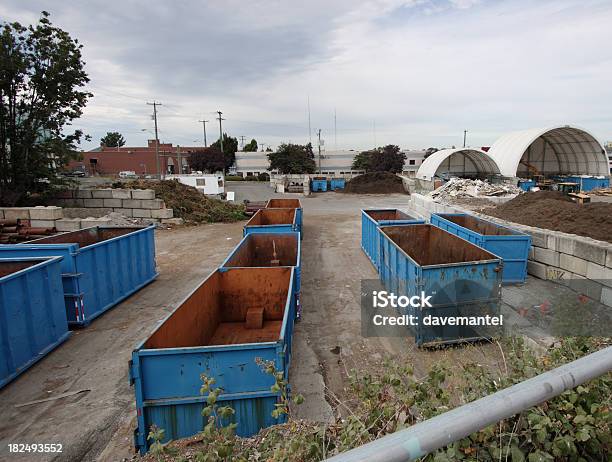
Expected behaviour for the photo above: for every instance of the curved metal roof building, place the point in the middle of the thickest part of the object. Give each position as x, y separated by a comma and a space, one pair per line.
459, 162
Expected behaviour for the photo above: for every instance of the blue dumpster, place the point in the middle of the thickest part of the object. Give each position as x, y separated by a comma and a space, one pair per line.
371, 220
336, 183
526, 185
101, 266
32, 315
272, 221
461, 279
288, 204
509, 244
232, 318
318, 185
588, 183
266, 250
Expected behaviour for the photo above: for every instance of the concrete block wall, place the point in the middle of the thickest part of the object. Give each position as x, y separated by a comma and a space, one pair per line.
39, 217
582, 263
133, 203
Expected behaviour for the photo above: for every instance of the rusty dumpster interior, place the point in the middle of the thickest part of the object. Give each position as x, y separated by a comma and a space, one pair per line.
380, 215
429, 245
266, 250
284, 204
219, 311
272, 217
87, 236
10, 267
478, 226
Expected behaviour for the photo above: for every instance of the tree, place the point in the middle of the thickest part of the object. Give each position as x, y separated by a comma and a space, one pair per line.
251, 146
113, 140
41, 92
207, 160
230, 146
382, 159
292, 158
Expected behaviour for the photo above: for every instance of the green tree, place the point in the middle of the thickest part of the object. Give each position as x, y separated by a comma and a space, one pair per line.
292, 158
230, 146
383, 159
41, 92
113, 140
251, 146
207, 160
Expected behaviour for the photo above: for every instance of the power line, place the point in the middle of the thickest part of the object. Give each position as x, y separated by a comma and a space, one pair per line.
155, 104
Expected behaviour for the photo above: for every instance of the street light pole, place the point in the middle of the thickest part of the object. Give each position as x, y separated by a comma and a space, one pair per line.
155, 104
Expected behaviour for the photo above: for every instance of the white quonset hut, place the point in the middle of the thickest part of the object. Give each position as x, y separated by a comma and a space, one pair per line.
548, 151
461, 162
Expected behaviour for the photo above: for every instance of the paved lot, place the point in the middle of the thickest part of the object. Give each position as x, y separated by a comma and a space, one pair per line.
98, 424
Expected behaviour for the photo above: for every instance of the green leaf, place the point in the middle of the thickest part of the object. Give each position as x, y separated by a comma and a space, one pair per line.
517, 454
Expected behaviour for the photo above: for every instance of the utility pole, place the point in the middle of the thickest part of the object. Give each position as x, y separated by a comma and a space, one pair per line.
155, 104
221, 136
204, 128
319, 134
178, 158
335, 132
464, 135
242, 142
309, 129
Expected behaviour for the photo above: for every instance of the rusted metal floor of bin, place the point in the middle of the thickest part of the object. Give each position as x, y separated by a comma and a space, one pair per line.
233, 333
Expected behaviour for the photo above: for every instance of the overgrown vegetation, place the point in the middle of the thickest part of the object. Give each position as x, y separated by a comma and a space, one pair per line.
41, 92
574, 426
188, 203
230, 146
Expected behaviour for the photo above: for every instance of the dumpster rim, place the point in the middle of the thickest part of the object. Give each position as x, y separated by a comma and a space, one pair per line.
295, 234
515, 232
42, 262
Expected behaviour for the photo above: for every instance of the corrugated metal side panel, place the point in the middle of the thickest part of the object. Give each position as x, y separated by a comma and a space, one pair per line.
513, 249
337, 183
269, 229
318, 185
32, 316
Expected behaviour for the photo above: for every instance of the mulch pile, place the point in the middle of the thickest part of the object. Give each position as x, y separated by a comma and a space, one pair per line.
554, 210
188, 203
375, 183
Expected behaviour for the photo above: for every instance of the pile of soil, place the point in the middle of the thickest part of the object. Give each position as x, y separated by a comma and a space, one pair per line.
188, 203
555, 210
375, 183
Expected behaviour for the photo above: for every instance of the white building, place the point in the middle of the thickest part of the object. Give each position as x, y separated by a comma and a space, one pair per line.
332, 163
206, 183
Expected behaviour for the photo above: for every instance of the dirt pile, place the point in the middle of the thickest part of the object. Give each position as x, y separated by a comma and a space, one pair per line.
188, 203
554, 210
375, 183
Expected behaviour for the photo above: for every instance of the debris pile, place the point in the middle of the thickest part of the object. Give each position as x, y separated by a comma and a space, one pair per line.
556, 211
375, 183
465, 188
188, 203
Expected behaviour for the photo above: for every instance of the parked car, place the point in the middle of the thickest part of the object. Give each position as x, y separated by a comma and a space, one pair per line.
128, 174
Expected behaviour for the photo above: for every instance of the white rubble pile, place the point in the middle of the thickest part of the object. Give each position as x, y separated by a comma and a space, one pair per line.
463, 187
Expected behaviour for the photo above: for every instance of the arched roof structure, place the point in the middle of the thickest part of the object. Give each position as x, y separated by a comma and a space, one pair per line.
458, 162
555, 150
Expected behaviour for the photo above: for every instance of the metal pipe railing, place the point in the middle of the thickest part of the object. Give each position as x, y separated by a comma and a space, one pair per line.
437, 432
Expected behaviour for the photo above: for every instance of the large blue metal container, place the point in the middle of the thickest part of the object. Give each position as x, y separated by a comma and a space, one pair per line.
272, 221
588, 183
461, 278
336, 183
265, 250
371, 220
509, 244
101, 266
318, 185
32, 315
208, 334
288, 204
526, 185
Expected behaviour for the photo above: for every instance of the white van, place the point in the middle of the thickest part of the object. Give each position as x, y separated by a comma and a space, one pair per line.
128, 174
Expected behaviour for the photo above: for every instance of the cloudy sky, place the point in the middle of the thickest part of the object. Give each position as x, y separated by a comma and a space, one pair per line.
410, 72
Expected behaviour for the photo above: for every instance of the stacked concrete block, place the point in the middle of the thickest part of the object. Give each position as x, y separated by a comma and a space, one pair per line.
90, 222
136, 203
17, 213
68, 224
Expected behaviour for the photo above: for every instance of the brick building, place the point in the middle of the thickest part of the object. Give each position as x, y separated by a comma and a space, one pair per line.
140, 159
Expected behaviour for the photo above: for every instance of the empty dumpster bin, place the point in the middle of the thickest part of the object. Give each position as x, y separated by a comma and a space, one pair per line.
336, 183
509, 244
318, 185
287, 204
462, 279
526, 185
371, 220
272, 221
269, 250
101, 266
232, 318
32, 313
